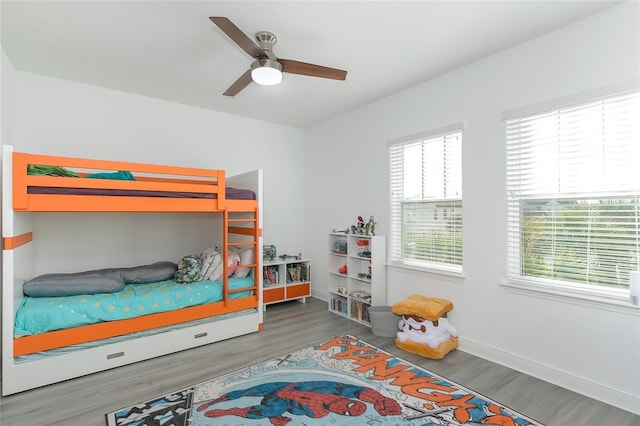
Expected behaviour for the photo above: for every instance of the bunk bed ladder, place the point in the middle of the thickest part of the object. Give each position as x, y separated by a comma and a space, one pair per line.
225, 257
245, 225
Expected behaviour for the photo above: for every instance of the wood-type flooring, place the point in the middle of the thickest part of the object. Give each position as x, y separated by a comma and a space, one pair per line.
287, 327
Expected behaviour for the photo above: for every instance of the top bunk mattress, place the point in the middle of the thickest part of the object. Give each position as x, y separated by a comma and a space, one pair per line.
44, 183
231, 193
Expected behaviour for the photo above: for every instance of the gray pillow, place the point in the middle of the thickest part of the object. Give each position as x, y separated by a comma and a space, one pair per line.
53, 285
158, 271
98, 281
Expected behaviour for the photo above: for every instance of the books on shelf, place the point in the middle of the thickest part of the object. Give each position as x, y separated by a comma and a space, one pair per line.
360, 310
270, 275
298, 272
289, 273
339, 304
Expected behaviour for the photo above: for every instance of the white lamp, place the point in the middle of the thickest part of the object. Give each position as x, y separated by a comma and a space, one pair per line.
266, 72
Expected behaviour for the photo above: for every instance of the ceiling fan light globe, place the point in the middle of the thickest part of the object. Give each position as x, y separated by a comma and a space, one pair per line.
266, 76
266, 72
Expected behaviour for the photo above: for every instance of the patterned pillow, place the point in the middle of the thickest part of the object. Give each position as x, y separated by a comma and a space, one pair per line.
211, 260
188, 269
246, 258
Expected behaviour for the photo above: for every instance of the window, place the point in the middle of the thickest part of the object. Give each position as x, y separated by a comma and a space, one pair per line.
426, 199
573, 190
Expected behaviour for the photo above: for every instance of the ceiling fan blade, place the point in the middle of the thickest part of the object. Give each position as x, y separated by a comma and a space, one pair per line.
303, 68
239, 84
238, 37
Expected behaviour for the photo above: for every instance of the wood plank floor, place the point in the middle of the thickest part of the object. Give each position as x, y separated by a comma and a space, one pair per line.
287, 327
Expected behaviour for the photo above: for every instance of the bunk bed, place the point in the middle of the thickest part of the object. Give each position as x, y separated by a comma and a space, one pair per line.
30, 360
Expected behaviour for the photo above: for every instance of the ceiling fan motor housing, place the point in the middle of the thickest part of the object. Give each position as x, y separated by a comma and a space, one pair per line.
266, 62
266, 40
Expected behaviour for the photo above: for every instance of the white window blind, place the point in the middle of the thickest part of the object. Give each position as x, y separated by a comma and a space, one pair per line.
573, 184
426, 200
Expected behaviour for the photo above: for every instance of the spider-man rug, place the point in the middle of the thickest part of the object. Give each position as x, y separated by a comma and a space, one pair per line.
343, 381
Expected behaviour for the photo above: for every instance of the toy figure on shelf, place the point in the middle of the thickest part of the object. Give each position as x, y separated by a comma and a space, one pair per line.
269, 252
291, 256
370, 227
359, 227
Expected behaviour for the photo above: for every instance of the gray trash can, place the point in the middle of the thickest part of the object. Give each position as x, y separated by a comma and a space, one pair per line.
384, 323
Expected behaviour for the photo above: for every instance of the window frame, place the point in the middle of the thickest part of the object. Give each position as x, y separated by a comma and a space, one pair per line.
442, 270
615, 299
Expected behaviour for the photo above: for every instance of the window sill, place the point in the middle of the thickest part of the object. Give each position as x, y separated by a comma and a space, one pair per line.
616, 301
441, 274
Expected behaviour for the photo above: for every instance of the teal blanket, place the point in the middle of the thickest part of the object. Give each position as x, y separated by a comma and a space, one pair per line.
41, 314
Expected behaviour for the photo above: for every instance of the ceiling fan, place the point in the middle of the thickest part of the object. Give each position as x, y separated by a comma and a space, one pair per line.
267, 69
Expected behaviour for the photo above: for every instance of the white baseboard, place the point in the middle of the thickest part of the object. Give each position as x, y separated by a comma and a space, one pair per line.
550, 374
321, 295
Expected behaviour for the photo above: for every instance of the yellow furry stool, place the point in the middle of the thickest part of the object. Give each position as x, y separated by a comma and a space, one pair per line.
425, 329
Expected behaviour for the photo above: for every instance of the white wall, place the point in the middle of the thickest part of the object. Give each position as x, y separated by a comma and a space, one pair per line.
6, 97
52, 116
580, 346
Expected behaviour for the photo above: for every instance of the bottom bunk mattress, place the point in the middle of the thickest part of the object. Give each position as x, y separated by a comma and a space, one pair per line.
43, 314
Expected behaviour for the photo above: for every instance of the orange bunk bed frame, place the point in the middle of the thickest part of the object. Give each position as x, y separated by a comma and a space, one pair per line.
209, 184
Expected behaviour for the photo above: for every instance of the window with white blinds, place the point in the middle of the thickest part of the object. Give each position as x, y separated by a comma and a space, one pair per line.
426, 199
573, 184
